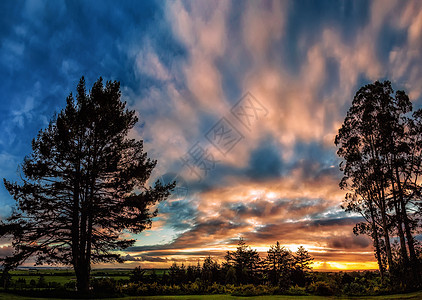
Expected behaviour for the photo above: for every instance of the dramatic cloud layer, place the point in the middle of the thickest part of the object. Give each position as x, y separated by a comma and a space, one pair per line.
239, 102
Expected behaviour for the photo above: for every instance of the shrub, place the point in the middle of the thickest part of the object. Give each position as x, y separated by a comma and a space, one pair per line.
321, 288
105, 286
70, 285
296, 291
252, 290
215, 288
354, 289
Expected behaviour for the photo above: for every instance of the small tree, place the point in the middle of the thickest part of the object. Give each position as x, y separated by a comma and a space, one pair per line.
210, 270
245, 261
279, 264
303, 259
302, 265
177, 273
137, 275
83, 184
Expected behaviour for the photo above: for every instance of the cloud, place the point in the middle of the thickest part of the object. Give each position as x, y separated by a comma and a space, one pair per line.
349, 242
201, 27
263, 24
265, 162
405, 58
148, 63
129, 257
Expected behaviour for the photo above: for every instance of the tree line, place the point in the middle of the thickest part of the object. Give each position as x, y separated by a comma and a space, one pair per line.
380, 143
281, 267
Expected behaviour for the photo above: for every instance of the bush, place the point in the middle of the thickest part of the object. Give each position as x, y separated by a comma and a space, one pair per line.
321, 288
296, 291
32, 283
252, 290
70, 285
354, 289
216, 288
105, 286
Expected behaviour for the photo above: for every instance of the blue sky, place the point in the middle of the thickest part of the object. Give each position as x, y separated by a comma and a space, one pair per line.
183, 66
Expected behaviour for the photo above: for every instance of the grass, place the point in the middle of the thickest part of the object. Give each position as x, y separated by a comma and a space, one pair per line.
416, 295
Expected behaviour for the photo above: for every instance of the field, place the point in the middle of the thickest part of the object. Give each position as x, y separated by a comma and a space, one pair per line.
418, 295
65, 275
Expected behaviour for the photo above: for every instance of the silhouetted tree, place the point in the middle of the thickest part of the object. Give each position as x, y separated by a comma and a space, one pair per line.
165, 278
190, 274
82, 185
153, 276
177, 274
137, 275
210, 270
245, 261
280, 262
301, 266
5, 279
380, 143
230, 277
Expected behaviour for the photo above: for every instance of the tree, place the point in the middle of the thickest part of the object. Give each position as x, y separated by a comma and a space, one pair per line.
245, 261
301, 265
302, 259
137, 275
379, 142
210, 270
177, 274
279, 265
82, 185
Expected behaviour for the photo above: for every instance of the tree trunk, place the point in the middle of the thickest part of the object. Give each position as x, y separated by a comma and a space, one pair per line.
82, 278
382, 205
387, 239
376, 243
410, 241
403, 249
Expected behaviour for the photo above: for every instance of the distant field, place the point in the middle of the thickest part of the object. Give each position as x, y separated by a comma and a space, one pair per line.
65, 275
417, 295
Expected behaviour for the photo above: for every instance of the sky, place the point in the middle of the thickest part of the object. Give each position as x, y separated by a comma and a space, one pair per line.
239, 101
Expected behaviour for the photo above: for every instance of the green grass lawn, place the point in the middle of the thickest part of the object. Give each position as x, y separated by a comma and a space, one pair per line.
417, 295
